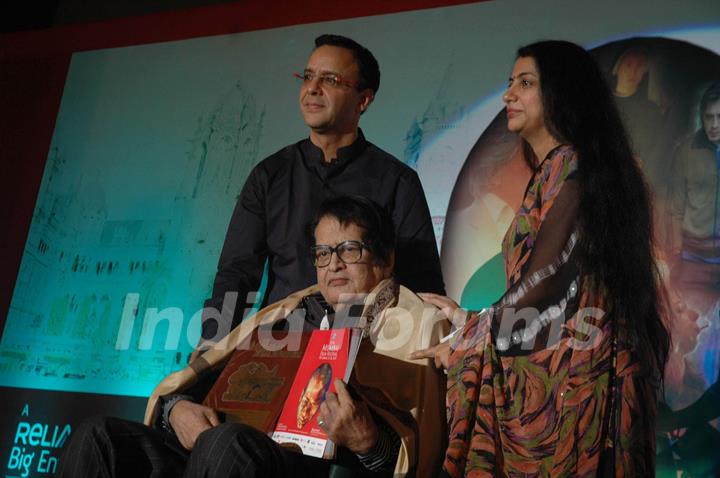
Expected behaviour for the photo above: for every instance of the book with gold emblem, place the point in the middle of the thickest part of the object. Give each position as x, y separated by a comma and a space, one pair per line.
256, 381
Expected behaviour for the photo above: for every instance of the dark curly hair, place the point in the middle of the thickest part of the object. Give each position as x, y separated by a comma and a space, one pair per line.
615, 218
375, 221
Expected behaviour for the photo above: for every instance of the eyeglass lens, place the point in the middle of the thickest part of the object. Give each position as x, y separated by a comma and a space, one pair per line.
349, 252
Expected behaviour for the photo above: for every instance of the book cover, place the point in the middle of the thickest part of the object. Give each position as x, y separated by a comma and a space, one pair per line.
329, 355
255, 383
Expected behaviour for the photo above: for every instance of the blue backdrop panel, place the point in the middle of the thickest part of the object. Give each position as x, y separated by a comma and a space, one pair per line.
153, 143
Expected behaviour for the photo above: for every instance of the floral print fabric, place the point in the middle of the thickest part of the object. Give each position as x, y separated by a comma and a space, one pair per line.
575, 408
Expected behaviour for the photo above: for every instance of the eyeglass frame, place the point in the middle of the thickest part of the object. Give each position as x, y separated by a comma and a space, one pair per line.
335, 80
334, 250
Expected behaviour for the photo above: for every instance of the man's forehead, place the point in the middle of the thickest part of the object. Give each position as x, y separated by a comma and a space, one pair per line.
335, 237
713, 107
634, 57
332, 59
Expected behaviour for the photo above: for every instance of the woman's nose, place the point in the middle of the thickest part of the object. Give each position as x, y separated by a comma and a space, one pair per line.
508, 96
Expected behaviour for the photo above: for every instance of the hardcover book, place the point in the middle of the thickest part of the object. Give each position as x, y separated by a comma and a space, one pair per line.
256, 382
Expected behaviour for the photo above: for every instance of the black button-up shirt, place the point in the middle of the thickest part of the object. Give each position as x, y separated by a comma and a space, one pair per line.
272, 221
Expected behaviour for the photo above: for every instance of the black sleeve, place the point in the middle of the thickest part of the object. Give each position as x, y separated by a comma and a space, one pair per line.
195, 393
242, 259
548, 288
166, 404
384, 454
417, 263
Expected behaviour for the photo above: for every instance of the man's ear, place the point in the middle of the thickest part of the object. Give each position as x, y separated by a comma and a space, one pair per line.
366, 97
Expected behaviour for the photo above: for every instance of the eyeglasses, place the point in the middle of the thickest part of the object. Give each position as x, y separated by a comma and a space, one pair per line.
348, 251
327, 79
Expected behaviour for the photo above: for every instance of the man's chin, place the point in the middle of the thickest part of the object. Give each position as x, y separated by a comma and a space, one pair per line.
336, 292
314, 123
344, 296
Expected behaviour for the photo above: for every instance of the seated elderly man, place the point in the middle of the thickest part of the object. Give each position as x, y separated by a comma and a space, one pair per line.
391, 425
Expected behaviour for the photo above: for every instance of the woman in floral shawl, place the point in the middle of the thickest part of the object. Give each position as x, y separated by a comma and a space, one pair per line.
559, 377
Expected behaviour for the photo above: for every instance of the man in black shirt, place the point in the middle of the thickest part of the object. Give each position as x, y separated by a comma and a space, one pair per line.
281, 195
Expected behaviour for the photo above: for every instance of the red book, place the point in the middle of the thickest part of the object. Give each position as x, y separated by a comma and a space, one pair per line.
330, 354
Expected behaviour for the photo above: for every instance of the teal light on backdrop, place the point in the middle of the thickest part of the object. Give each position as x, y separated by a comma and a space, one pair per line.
153, 143
485, 286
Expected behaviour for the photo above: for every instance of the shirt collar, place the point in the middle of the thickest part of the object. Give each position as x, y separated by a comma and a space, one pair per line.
315, 159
